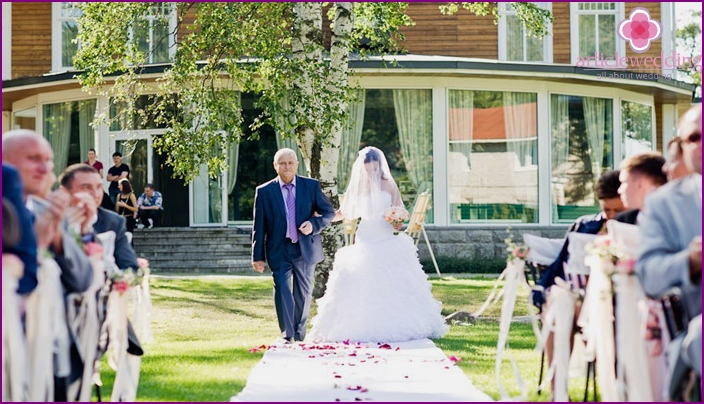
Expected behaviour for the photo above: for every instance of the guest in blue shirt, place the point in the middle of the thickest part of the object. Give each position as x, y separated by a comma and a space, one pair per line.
150, 207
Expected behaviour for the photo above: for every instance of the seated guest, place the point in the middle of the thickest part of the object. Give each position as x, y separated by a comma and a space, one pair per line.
83, 178
607, 193
150, 206
675, 167
640, 175
671, 246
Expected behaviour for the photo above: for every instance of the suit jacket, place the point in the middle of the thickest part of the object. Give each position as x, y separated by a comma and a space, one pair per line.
269, 228
672, 217
76, 269
628, 216
26, 248
125, 256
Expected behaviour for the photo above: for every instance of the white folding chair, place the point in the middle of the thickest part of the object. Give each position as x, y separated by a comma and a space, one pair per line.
576, 271
542, 252
349, 226
415, 225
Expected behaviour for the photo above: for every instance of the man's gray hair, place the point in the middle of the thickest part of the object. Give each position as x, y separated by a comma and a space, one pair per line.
284, 151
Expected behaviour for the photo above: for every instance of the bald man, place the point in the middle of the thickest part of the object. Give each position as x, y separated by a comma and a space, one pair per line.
671, 247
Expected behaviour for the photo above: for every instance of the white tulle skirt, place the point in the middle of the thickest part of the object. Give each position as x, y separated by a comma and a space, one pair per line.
377, 292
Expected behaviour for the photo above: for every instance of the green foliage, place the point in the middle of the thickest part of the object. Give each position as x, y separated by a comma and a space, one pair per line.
535, 18
457, 265
689, 43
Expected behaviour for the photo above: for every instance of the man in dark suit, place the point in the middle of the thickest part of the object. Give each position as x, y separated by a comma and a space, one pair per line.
84, 178
290, 211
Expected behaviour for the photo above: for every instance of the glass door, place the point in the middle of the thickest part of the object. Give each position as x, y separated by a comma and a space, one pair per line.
208, 200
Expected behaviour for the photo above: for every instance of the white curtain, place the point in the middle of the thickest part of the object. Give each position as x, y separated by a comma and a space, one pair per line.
57, 130
414, 118
462, 124
594, 120
233, 156
86, 134
519, 125
351, 135
286, 137
560, 121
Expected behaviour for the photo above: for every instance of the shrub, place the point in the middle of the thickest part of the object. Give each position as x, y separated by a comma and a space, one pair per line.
474, 265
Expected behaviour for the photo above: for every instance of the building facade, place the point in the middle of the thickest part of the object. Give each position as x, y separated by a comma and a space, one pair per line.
503, 129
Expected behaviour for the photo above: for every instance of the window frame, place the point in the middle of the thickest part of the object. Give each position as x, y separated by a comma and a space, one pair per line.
57, 21
619, 12
171, 31
503, 35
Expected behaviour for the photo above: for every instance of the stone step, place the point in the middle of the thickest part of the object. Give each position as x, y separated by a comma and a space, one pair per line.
191, 250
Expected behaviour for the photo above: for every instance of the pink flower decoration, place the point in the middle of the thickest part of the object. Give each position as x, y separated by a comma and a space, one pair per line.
455, 359
121, 287
639, 30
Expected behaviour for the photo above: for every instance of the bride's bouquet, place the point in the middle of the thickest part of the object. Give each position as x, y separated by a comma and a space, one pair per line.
396, 215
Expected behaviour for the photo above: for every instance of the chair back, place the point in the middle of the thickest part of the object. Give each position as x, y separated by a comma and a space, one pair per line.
626, 236
349, 226
415, 223
543, 251
576, 271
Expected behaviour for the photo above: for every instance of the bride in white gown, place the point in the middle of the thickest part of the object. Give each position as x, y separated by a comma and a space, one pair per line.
377, 290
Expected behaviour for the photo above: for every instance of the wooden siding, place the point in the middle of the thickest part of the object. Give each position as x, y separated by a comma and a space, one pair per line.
462, 34
31, 39
655, 46
561, 33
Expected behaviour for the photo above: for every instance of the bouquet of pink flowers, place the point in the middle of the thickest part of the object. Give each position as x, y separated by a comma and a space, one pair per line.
396, 215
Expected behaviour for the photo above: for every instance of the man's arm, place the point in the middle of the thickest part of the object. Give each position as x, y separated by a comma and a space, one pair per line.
258, 228
125, 256
324, 208
76, 270
662, 264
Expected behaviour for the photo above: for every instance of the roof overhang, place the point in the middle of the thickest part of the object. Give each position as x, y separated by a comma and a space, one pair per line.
663, 89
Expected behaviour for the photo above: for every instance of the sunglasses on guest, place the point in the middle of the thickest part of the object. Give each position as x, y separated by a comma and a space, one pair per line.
693, 137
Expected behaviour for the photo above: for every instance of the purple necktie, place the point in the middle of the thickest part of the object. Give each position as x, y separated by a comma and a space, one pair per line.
291, 213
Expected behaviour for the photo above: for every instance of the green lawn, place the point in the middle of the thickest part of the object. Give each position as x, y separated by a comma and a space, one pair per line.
205, 326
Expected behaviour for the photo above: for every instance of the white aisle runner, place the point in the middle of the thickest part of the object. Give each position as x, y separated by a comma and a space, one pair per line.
408, 371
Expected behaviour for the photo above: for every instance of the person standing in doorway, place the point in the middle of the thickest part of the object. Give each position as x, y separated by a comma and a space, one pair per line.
290, 212
93, 162
115, 174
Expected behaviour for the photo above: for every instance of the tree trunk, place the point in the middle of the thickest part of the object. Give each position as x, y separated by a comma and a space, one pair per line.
330, 150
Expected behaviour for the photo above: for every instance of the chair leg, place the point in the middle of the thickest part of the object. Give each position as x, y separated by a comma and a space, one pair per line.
540, 376
591, 371
430, 249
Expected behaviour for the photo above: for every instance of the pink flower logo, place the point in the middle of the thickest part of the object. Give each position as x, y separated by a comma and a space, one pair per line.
639, 30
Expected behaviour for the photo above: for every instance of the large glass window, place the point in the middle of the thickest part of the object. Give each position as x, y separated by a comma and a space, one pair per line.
581, 150
493, 156
400, 123
67, 127
636, 128
517, 43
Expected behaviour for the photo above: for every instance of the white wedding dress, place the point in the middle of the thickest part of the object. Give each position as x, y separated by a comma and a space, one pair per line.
377, 290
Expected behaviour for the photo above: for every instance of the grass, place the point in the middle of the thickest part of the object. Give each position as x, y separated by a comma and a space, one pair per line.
204, 327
